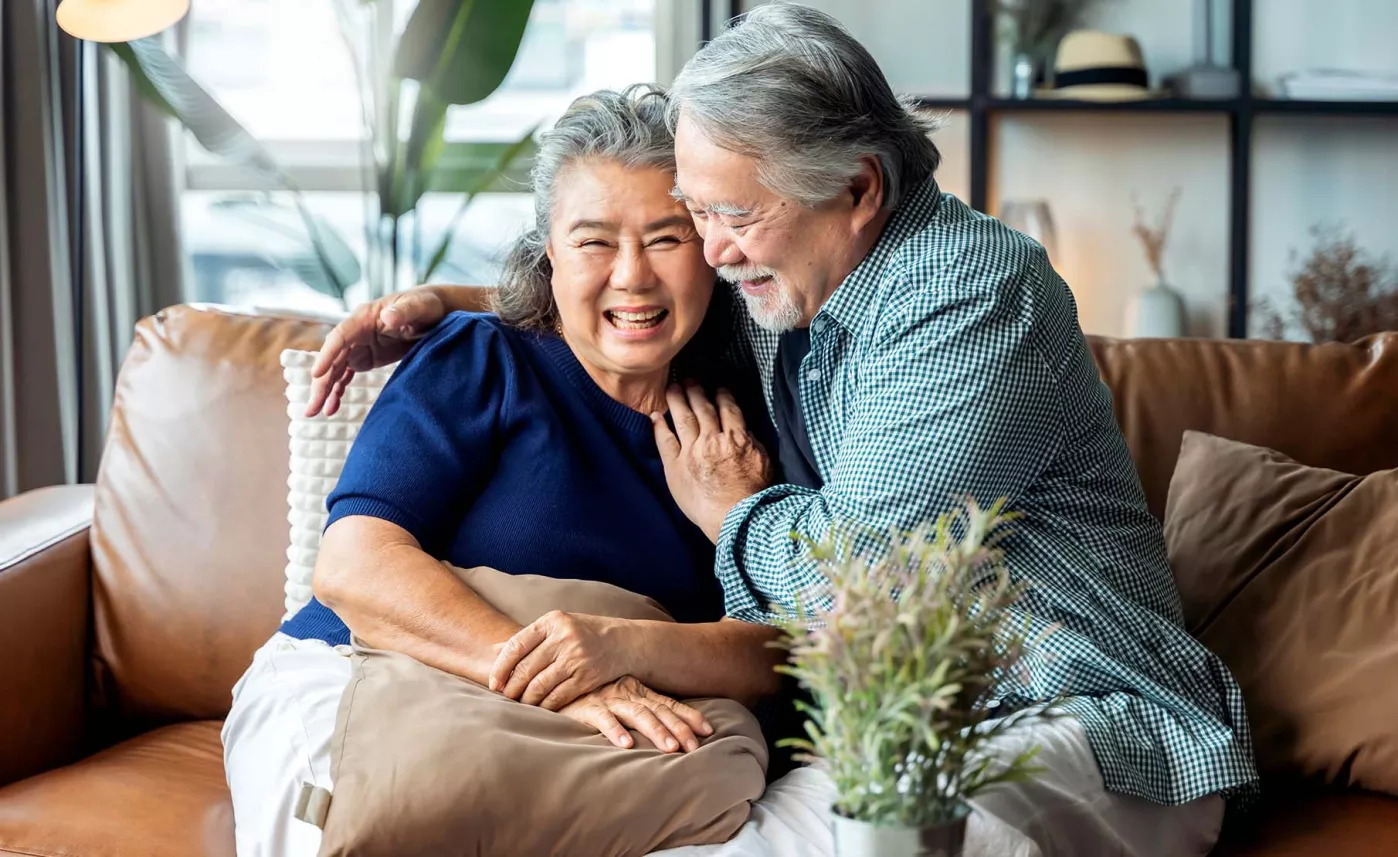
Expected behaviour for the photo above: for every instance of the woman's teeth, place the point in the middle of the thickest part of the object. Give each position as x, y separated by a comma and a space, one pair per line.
636, 320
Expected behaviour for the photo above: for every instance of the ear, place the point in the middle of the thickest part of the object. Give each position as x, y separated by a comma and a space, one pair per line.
866, 192
548, 251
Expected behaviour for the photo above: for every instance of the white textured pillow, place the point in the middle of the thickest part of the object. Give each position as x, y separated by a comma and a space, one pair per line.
319, 446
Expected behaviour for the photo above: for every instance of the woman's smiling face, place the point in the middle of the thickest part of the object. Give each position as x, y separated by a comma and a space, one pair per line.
629, 276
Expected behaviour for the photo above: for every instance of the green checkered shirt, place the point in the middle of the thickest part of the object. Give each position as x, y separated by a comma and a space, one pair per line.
949, 364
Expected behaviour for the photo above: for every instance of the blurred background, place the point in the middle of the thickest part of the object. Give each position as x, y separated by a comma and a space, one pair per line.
1077, 176
1202, 168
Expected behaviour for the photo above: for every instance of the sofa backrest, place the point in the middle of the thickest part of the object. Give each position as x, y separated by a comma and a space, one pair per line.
190, 530
1332, 405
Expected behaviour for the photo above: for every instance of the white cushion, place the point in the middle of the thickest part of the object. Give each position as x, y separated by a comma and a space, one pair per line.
319, 446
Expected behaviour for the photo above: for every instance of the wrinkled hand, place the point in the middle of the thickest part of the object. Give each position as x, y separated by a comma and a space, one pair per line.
559, 657
627, 704
711, 459
375, 334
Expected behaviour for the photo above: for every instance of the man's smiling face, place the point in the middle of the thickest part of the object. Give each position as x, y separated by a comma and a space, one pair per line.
787, 257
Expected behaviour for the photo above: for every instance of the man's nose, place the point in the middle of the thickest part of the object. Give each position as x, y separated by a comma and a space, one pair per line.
719, 247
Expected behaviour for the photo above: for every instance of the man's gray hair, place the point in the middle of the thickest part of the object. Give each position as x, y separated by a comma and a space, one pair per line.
626, 127
789, 86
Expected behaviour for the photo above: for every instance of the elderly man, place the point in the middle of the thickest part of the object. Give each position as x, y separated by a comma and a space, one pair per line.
913, 352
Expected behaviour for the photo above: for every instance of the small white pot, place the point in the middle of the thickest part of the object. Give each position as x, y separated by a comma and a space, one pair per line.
864, 839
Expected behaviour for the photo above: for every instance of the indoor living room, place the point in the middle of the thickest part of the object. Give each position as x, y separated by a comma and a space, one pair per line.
753, 464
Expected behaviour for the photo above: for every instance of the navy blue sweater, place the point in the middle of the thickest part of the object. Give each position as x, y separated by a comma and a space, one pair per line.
494, 447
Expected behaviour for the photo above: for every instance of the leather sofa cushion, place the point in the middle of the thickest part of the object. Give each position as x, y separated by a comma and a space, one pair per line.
189, 533
1290, 574
160, 795
1352, 824
1329, 405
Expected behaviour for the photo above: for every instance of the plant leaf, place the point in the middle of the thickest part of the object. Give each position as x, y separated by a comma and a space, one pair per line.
412, 171
313, 250
501, 165
165, 83
462, 49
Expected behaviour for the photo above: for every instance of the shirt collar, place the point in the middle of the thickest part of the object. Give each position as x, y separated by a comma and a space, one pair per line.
850, 304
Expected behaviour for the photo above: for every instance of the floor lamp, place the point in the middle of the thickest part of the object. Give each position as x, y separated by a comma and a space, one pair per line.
98, 21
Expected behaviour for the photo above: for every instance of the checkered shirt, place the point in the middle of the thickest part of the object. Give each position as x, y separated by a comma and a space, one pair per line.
950, 364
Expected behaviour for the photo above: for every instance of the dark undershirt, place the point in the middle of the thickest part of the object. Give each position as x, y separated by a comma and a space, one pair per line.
798, 468
793, 445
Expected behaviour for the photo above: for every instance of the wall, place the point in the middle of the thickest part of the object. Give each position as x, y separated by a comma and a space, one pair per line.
1088, 165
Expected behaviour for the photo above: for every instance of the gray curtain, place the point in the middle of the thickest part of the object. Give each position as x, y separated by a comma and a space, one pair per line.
89, 241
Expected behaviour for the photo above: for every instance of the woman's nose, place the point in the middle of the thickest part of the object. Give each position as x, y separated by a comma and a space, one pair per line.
632, 270
719, 247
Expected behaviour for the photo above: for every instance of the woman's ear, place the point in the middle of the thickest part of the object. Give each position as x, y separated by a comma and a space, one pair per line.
548, 251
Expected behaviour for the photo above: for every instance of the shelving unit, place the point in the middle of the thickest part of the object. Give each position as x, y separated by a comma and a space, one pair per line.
982, 106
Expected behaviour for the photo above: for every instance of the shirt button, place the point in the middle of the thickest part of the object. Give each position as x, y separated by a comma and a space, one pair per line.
813, 375
818, 325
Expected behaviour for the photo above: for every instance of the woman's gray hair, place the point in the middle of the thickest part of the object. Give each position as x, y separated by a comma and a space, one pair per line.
626, 127
789, 86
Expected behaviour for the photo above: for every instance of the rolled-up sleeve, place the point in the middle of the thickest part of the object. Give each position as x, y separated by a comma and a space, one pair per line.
954, 401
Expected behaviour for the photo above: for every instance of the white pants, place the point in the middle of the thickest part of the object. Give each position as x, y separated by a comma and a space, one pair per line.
278, 732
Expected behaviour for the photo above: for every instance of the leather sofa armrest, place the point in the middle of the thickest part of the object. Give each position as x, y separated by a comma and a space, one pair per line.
45, 582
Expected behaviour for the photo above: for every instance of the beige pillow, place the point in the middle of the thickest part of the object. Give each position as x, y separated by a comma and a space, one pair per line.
427, 763
1290, 574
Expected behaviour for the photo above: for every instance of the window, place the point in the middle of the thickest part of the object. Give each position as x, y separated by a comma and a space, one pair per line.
283, 70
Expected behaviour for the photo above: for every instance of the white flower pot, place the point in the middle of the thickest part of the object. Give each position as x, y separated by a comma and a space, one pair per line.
862, 839
1157, 312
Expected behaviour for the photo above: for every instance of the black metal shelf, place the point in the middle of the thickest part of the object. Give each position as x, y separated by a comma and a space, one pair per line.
982, 105
1325, 108
1140, 105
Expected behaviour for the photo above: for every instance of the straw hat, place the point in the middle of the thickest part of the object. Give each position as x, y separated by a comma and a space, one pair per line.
1096, 66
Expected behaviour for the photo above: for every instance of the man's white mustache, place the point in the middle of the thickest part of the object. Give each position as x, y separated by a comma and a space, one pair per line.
741, 273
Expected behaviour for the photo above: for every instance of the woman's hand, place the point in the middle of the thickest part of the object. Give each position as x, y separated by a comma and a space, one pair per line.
375, 334
561, 656
628, 704
711, 459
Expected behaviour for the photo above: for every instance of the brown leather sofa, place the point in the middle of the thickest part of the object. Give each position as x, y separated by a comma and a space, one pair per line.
128, 609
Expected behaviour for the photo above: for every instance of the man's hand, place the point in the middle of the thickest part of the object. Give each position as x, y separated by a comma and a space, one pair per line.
375, 334
711, 459
561, 656
627, 704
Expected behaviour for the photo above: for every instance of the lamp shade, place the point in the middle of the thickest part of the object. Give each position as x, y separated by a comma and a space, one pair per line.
118, 20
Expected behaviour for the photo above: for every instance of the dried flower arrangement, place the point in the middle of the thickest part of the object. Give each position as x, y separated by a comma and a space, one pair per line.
1034, 27
902, 664
1341, 294
1154, 238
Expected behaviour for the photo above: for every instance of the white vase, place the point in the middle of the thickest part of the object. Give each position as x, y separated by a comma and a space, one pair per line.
1156, 312
862, 839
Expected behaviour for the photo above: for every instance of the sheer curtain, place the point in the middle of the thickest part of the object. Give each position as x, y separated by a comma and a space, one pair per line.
89, 242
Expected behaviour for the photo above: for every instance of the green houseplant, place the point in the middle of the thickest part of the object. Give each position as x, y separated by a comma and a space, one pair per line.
450, 52
902, 661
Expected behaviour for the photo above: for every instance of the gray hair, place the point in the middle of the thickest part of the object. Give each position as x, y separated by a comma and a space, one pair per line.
626, 127
790, 86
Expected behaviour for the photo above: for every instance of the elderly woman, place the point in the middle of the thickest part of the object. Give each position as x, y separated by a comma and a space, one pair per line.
524, 441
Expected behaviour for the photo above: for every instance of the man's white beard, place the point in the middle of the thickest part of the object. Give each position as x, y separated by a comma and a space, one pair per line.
775, 310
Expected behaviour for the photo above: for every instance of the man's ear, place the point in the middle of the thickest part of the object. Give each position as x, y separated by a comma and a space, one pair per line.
548, 251
866, 192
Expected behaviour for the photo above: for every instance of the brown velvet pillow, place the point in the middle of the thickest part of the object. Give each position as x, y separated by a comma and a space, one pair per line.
427, 763
1290, 574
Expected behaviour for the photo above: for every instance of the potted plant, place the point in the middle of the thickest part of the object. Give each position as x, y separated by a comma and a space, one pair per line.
1340, 292
1032, 29
1157, 310
903, 657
